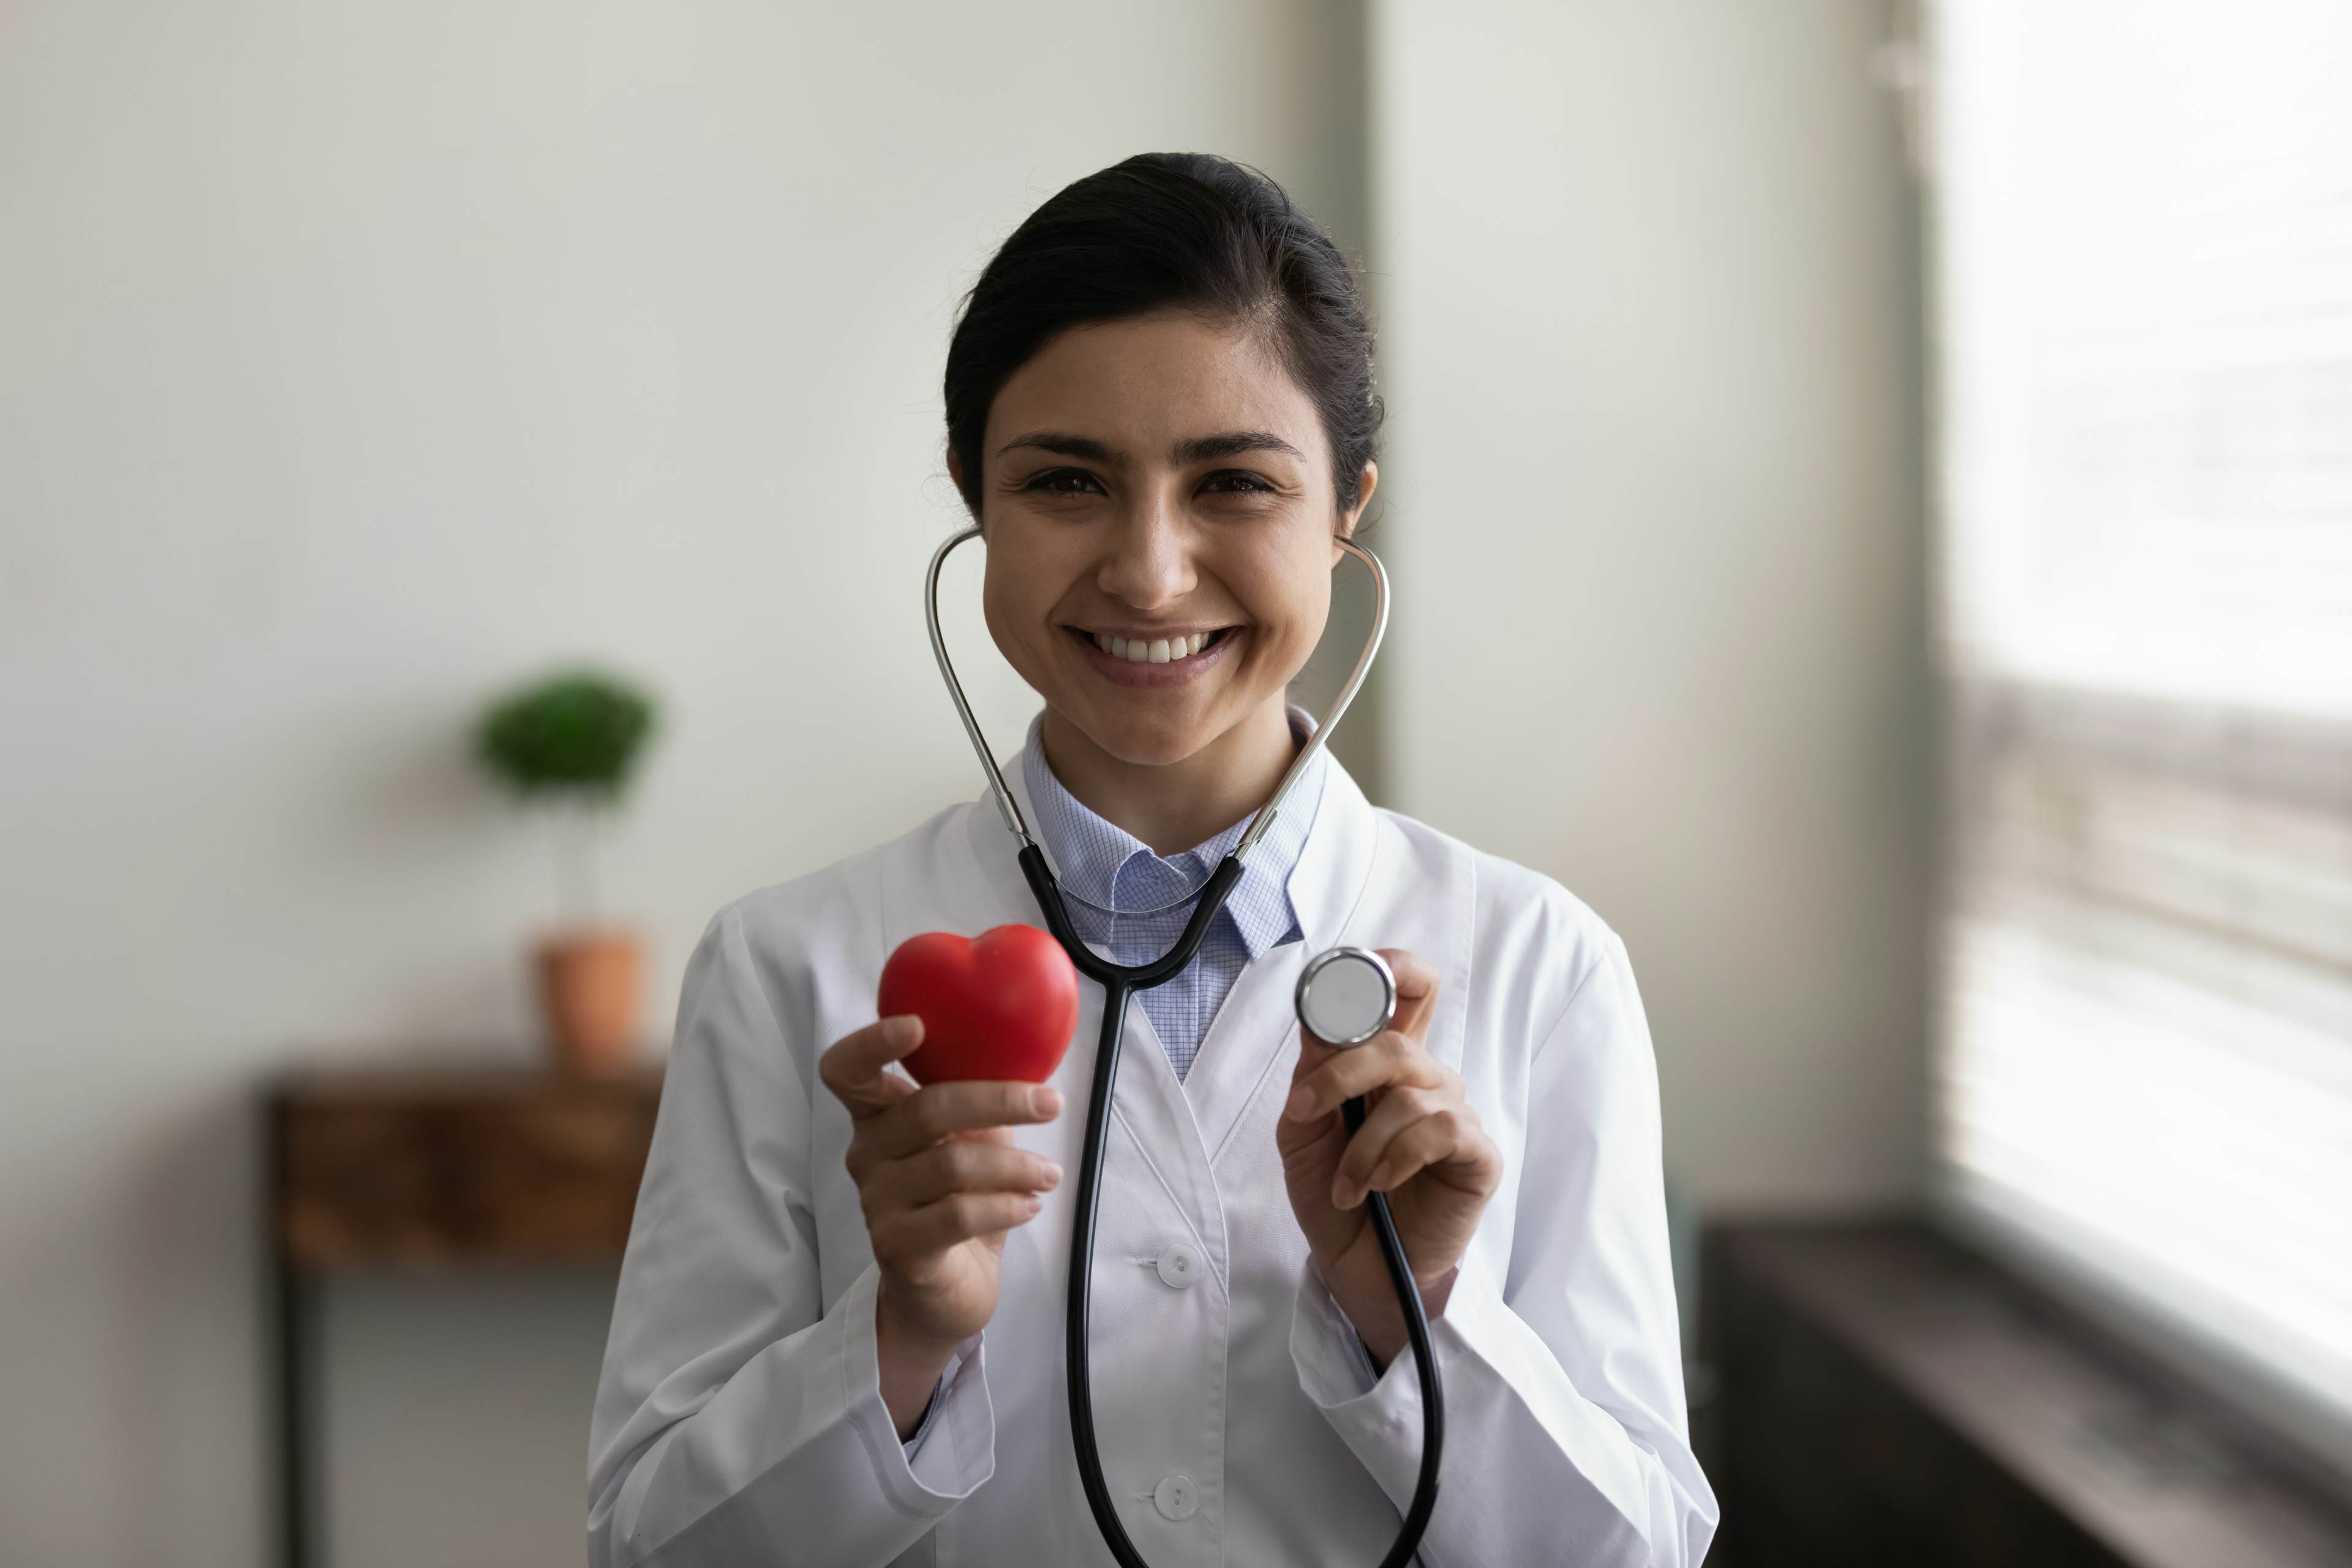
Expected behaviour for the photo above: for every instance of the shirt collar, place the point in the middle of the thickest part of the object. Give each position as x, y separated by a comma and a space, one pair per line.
1101, 864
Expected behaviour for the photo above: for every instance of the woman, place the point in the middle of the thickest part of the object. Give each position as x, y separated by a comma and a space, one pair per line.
838, 1336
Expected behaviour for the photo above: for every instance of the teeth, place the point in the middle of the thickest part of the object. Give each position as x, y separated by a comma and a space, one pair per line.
1159, 650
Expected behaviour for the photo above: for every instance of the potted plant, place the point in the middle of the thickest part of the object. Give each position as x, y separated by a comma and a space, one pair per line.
568, 744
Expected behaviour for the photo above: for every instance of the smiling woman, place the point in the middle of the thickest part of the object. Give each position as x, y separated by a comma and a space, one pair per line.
1160, 513
841, 1286
1161, 408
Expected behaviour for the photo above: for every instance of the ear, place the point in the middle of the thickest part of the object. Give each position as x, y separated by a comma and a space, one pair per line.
1366, 483
955, 477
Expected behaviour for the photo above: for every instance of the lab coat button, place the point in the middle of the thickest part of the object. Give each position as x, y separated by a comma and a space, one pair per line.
1178, 1267
1176, 1496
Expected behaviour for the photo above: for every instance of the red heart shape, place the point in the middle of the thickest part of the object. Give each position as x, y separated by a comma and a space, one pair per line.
1000, 1005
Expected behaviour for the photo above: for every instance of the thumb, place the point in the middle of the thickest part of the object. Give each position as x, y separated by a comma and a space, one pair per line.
1312, 1054
1289, 1135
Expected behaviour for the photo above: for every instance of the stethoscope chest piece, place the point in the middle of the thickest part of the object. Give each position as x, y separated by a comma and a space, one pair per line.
1345, 995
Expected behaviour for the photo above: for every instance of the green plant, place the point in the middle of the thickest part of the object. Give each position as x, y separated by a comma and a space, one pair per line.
572, 741
577, 733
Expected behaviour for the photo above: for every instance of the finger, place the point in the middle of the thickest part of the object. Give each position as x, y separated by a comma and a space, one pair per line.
958, 1165
1455, 1151
1416, 983
852, 1067
1315, 1139
1473, 1163
1395, 1110
1407, 1133
1389, 1059
911, 1235
1312, 1054
864, 1161
941, 1111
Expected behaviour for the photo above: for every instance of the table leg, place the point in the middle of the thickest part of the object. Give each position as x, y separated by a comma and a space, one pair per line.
288, 1301
294, 1434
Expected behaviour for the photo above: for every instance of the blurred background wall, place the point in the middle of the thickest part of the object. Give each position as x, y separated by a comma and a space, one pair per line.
355, 361
1649, 283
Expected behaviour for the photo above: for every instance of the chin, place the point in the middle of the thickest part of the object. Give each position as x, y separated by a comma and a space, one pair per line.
1145, 743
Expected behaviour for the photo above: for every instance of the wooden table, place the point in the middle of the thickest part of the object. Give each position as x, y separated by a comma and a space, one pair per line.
432, 1165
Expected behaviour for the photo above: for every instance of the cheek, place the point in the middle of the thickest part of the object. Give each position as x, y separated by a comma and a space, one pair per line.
1291, 594
1019, 586
1003, 604
1006, 628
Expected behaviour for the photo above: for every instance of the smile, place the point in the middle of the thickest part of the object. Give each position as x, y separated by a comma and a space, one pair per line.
1152, 650
1169, 660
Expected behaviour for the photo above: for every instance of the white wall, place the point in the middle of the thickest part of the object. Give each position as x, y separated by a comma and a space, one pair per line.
355, 360
1646, 268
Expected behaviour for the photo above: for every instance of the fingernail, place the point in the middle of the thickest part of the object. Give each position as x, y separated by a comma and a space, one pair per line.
1044, 1101
901, 1029
1296, 1106
1340, 1199
1052, 1177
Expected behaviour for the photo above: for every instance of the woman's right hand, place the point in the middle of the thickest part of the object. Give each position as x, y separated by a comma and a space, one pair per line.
940, 1182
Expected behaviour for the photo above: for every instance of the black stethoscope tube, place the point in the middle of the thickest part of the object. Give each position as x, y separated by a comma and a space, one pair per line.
1119, 983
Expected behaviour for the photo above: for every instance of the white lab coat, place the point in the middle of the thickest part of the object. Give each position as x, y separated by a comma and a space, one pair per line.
739, 1420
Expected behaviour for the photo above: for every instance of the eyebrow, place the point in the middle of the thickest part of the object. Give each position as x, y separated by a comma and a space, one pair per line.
1199, 449
1231, 444
1060, 445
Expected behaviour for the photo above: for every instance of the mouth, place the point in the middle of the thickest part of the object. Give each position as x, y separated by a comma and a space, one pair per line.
1164, 648
1167, 658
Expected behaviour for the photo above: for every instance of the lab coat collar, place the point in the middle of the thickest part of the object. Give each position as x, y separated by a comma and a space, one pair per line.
1091, 856
1325, 886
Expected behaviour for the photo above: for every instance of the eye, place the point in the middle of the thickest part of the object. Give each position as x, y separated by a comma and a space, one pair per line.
1236, 481
1064, 482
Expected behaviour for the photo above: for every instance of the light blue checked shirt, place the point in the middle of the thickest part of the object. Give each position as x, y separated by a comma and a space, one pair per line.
1102, 866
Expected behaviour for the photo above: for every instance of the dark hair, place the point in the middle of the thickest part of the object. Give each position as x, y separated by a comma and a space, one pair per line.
1184, 231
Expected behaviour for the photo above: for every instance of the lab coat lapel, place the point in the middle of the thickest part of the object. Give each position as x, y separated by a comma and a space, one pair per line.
1150, 1106
1181, 1129
1252, 1043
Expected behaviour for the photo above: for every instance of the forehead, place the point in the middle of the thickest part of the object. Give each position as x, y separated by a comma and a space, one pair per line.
1145, 383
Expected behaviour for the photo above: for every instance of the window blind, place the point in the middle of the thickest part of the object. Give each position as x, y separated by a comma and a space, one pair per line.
2143, 274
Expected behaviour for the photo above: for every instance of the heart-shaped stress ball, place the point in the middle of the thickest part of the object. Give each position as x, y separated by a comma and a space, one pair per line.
998, 1005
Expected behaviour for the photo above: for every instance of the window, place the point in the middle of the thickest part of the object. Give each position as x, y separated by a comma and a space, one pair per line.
2143, 269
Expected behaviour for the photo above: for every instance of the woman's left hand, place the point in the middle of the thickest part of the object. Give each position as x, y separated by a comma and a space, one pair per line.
1421, 1143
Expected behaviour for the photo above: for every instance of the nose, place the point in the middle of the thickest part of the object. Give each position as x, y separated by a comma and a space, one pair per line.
1147, 561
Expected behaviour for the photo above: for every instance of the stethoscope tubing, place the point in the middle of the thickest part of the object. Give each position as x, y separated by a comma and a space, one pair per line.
1424, 1362
1119, 984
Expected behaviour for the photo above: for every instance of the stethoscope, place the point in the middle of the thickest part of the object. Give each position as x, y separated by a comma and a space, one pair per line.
1345, 997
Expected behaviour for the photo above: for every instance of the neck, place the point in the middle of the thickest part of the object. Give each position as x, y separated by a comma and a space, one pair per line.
1173, 806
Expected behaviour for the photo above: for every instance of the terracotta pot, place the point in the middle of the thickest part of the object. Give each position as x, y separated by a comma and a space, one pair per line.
591, 985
